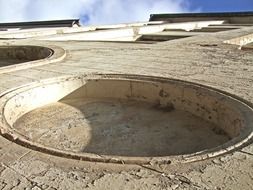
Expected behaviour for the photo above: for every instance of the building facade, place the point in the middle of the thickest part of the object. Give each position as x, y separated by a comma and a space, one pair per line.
162, 104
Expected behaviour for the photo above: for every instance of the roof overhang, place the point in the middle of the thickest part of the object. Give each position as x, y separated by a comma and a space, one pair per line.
41, 24
230, 17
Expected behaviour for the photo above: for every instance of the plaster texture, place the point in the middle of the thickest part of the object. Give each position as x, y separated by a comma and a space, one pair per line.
203, 59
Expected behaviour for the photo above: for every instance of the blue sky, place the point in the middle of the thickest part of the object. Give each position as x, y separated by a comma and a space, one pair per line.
94, 12
206, 6
221, 5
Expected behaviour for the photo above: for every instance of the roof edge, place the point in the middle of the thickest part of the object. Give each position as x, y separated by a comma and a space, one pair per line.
46, 23
155, 17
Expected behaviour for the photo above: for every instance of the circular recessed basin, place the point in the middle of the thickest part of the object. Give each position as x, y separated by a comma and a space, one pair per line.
126, 119
10, 55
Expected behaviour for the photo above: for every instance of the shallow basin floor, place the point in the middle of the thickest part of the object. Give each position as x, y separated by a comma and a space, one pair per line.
119, 127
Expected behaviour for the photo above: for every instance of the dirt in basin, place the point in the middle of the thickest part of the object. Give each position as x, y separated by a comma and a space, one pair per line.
116, 127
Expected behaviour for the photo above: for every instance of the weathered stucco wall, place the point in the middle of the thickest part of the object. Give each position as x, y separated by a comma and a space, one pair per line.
202, 59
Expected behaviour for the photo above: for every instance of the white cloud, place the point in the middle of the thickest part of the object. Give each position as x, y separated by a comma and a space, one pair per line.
98, 11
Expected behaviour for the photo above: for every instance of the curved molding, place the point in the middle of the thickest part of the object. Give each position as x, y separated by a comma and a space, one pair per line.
234, 114
57, 54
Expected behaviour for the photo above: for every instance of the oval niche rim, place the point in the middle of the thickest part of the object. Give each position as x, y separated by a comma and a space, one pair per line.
7, 131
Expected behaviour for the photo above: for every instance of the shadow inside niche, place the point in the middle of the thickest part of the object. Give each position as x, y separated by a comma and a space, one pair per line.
10, 55
131, 128
119, 127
